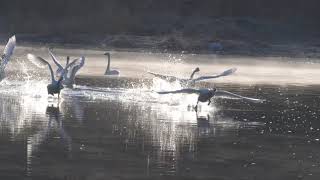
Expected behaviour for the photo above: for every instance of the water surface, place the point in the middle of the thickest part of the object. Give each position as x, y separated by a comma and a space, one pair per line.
120, 133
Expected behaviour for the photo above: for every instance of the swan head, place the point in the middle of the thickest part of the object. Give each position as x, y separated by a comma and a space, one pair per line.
197, 69
107, 54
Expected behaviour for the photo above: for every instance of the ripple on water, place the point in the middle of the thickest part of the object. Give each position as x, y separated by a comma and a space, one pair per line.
118, 132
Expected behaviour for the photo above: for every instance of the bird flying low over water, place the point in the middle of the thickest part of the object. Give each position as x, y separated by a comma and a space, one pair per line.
110, 71
192, 80
69, 71
56, 85
206, 95
7, 53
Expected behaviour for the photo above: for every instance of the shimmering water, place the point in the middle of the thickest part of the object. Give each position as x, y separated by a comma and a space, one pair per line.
120, 133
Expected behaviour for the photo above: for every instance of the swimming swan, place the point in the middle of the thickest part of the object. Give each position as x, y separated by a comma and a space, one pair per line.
7, 53
206, 95
108, 70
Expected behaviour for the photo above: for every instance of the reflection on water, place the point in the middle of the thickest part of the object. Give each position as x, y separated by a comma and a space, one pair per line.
54, 124
99, 133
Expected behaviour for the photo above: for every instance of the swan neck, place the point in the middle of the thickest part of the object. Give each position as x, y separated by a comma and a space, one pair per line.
67, 62
108, 67
192, 74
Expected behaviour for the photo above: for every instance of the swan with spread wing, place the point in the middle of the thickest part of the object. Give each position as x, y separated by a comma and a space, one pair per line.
192, 80
69, 71
7, 53
56, 85
205, 95
70, 75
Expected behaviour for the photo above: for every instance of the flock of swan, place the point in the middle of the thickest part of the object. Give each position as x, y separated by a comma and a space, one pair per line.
65, 75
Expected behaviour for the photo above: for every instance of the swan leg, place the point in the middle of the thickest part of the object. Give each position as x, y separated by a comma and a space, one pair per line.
209, 102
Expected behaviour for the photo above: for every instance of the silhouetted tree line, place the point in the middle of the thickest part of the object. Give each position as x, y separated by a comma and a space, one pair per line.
140, 16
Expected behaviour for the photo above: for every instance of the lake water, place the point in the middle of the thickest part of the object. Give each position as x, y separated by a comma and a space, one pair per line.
97, 132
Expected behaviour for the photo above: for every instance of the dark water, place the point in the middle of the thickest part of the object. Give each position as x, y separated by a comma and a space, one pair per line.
100, 133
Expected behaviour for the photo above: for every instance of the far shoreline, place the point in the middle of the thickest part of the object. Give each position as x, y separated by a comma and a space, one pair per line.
149, 44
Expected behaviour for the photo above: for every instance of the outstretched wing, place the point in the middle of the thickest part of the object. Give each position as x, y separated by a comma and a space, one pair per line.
57, 63
224, 73
187, 91
221, 93
74, 66
40, 62
8, 51
165, 77
76, 62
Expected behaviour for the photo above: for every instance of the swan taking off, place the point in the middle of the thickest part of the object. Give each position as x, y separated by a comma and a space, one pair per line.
109, 71
69, 71
74, 67
7, 53
191, 80
206, 95
56, 85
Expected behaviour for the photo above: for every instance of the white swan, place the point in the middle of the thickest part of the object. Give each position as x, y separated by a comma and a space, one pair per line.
56, 85
108, 70
191, 80
173, 78
70, 75
69, 70
206, 95
7, 53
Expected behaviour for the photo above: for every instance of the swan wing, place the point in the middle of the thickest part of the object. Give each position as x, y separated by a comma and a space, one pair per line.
76, 62
8, 51
187, 91
74, 66
165, 77
40, 62
221, 93
224, 73
56, 62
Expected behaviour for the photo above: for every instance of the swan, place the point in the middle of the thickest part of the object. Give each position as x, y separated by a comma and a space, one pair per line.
7, 53
206, 94
108, 70
173, 78
70, 72
56, 85
191, 80
60, 69
70, 75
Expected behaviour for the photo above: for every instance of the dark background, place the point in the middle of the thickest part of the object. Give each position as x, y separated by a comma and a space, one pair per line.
242, 27
144, 16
